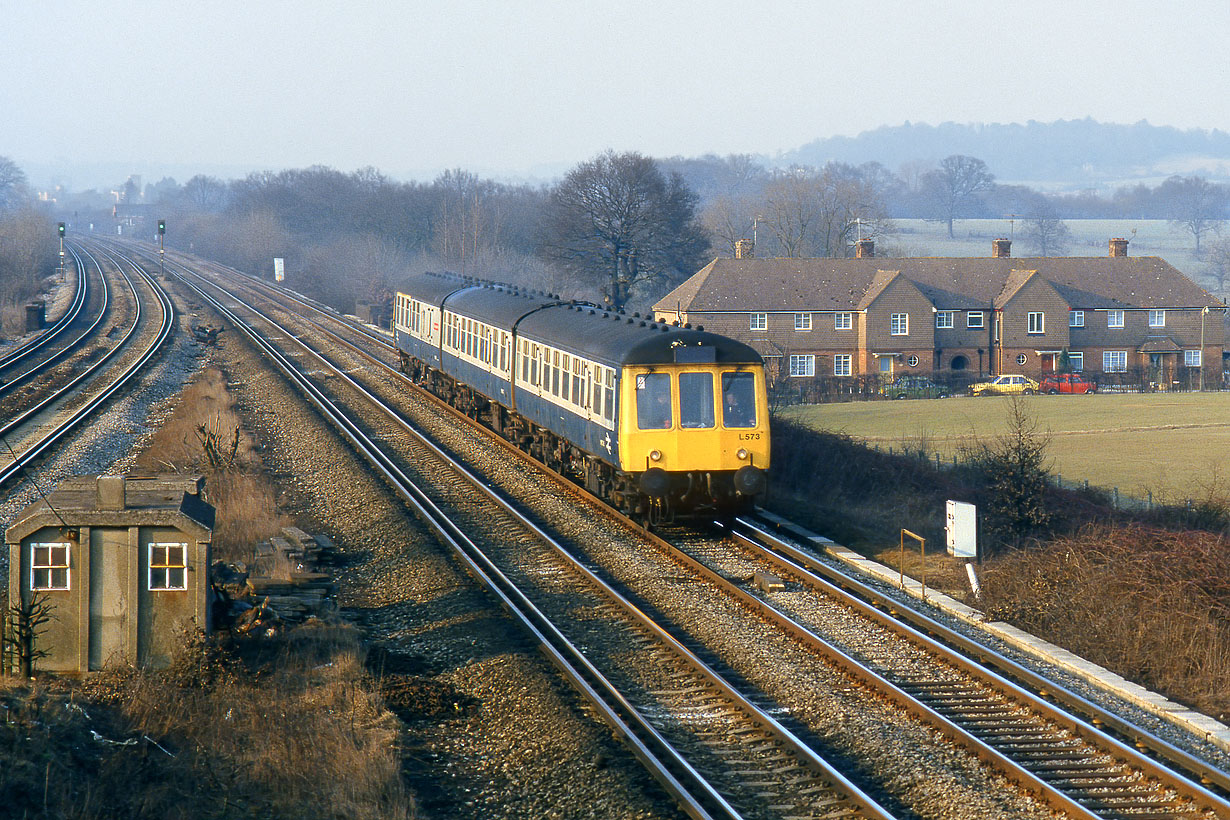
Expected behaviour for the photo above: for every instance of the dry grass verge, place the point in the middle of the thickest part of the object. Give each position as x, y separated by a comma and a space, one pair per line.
240, 489
290, 727
1152, 605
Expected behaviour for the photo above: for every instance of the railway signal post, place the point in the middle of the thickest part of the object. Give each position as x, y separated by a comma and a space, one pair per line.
60, 230
162, 230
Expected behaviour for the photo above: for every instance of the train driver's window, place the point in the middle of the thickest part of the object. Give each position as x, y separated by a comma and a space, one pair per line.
738, 399
696, 400
653, 401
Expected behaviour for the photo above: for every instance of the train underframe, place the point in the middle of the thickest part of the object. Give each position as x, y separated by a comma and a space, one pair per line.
672, 494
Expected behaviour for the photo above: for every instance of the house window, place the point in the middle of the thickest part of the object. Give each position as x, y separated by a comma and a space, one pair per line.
1076, 362
1114, 361
802, 321
974, 319
167, 566
1157, 318
1192, 358
944, 318
1114, 318
843, 321
1076, 318
802, 365
49, 566
760, 321
1037, 322
899, 324
912, 361
1021, 358
841, 364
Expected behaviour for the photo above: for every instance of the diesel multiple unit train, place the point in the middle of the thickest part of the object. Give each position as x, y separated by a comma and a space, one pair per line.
656, 419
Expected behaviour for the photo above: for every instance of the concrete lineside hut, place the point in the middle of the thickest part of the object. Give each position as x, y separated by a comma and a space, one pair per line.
124, 562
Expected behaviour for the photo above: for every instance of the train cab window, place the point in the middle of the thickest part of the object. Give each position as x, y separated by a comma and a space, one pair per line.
653, 401
696, 400
738, 400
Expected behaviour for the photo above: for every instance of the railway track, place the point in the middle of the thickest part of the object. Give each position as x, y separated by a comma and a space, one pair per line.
717, 752
25, 362
34, 431
1073, 768
52, 334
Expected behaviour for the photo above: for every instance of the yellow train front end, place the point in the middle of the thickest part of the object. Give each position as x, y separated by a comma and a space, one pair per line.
695, 435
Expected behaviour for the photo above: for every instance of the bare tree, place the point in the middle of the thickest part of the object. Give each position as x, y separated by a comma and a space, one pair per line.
954, 183
1195, 204
820, 213
205, 194
616, 221
1217, 263
12, 184
1045, 233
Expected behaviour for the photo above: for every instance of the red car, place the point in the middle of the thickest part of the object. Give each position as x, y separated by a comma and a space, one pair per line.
1066, 383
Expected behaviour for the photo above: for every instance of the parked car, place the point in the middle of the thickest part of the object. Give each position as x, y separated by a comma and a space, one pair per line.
1003, 385
1066, 383
914, 387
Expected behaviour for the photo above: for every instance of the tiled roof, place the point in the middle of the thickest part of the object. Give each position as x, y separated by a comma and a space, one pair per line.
783, 284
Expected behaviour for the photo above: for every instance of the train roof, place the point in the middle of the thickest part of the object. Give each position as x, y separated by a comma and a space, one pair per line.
621, 339
601, 335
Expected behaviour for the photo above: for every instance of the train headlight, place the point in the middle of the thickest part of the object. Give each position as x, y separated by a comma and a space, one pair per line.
655, 455
742, 454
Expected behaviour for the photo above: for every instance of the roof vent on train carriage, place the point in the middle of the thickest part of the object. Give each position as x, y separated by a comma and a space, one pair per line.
687, 326
700, 327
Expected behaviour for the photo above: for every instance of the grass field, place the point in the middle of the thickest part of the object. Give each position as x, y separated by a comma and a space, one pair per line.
972, 237
1174, 445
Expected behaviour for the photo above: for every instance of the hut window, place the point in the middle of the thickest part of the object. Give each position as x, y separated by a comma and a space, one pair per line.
49, 566
167, 569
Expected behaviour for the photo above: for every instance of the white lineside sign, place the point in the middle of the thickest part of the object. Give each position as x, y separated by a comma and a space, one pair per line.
279, 269
961, 529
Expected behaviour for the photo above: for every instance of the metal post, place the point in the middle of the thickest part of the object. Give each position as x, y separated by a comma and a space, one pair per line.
922, 574
1203, 312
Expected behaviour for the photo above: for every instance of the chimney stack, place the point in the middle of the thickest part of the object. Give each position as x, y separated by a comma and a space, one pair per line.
1001, 248
1118, 246
865, 249
745, 249
111, 492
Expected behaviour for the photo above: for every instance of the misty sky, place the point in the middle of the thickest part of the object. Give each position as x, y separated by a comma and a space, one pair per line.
513, 89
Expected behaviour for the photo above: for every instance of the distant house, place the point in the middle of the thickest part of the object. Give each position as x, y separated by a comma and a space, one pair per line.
870, 316
123, 563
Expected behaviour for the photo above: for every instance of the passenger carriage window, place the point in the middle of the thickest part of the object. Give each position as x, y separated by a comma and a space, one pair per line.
609, 394
653, 401
738, 400
534, 366
696, 400
578, 383
555, 372
566, 382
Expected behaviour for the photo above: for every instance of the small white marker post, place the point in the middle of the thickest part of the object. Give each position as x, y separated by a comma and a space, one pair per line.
961, 534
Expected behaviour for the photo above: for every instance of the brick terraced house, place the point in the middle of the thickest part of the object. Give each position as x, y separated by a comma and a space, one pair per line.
1117, 318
